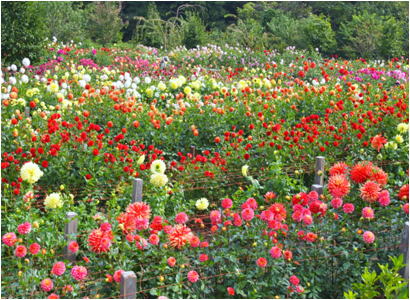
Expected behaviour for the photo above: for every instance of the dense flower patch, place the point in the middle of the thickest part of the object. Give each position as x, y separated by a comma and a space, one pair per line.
225, 143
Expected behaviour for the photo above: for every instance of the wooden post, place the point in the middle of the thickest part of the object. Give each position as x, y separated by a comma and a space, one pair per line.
137, 190
404, 249
27, 112
128, 285
318, 188
319, 170
193, 151
70, 234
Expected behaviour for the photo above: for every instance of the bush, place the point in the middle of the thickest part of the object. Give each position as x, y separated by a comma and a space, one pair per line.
64, 21
371, 36
317, 33
23, 32
105, 22
307, 33
194, 31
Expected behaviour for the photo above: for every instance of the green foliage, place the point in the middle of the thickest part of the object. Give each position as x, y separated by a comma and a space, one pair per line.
372, 36
194, 31
317, 32
154, 31
22, 32
387, 284
65, 21
307, 33
105, 22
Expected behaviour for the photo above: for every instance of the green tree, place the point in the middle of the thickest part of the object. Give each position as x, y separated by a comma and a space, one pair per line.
317, 33
393, 38
65, 21
104, 22
362, 36
194, 31
23, 31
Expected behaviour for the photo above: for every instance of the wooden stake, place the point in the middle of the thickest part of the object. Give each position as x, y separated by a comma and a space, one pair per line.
128, 285
319, 170
70, 234
137, 190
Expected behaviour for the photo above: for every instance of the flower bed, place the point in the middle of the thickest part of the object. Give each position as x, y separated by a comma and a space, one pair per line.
225, 143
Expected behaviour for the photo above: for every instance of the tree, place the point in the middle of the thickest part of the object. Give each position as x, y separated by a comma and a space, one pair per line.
64, 21
362, 36
105, 22
23, 31
194, 31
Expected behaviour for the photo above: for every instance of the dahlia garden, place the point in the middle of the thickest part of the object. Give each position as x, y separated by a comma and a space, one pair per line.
214, 172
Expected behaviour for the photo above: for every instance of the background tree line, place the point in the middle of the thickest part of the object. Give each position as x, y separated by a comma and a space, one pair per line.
348, 29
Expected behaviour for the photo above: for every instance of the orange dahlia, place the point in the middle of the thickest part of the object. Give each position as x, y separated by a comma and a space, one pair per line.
279, 211
338, 186
370, 191
139, 210
339, 168
404, 192
100, 241
378, 141
179, 236
379, 176
361, 172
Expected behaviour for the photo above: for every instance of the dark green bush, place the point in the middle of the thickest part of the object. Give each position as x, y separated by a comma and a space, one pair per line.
23, 31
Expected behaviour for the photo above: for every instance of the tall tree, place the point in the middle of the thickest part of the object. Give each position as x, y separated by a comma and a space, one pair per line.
23, 31
104, 22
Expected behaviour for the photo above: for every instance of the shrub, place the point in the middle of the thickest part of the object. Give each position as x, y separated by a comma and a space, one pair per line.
105, 22
194, 31
22, 32
64, 21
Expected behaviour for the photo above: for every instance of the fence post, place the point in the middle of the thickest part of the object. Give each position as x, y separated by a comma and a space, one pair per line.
137, 190
128, 285
193, 151
319, 170
27, 111
70, 231
404, 249
317, 188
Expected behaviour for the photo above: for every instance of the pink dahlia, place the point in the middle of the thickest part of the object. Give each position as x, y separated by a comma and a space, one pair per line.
384, 198
73, 246
368, 213
193, 276
275, 252
368, 237
9, 239
336, 202
34, 248
58, 268
46, 285
348, 208
24, 228
79, 272
117, 275
294, 280
171, 261
153, 239
181, 218
247, 214
226, 203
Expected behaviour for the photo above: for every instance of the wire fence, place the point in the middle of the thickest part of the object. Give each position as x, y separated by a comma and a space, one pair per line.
232, 178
